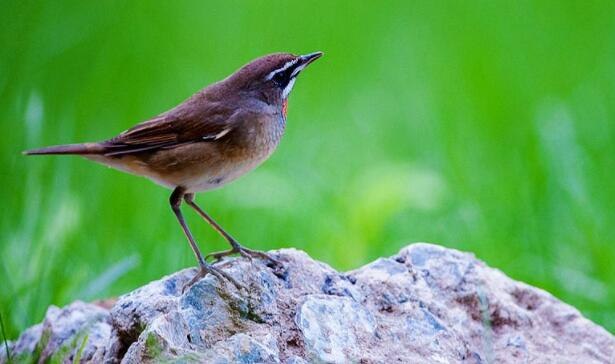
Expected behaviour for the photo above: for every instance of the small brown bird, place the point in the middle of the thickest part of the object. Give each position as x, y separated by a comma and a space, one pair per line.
220, 133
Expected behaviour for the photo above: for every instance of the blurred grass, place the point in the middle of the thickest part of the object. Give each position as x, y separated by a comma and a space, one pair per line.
485, 126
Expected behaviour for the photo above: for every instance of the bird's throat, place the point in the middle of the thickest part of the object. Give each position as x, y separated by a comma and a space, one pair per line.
285, 107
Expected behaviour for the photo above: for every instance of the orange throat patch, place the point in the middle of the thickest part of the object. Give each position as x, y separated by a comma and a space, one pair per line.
285, 108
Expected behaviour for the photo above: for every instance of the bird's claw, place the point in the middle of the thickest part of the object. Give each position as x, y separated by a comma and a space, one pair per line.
244, 252
218, 273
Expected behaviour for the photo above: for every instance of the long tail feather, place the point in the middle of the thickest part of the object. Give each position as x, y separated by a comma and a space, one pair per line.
78, 149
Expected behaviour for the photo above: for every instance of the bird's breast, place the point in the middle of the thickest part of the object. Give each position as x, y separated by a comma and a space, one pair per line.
262, 136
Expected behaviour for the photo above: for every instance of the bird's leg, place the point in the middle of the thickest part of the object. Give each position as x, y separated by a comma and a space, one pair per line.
236, 248
176, 200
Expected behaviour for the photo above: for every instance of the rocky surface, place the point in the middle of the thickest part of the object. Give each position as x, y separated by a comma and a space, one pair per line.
427, 304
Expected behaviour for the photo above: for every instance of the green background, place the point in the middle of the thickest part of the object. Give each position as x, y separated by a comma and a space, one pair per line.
485, 126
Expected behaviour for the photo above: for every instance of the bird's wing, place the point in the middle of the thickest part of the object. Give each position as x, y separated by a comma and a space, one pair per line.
172, 129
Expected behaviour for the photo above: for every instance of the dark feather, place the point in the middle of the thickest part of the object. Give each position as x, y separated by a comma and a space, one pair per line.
78, 149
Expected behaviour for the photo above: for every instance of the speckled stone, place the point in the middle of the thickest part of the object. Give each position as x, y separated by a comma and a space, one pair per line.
427, 304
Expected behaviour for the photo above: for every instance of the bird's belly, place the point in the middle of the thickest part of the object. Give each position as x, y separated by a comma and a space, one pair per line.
251, 150
218, 169
211, 178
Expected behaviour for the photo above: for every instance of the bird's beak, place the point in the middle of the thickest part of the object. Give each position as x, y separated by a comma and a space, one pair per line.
309, 58
304, 61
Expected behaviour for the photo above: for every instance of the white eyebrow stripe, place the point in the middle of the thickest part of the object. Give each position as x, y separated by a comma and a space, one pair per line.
282, 69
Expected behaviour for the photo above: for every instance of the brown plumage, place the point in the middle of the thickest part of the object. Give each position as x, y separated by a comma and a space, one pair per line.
212, 138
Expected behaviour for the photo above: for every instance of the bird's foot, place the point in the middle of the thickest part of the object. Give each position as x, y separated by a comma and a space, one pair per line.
218, 273
244, 252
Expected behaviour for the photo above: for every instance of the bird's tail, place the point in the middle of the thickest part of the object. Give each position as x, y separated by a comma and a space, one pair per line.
78, 149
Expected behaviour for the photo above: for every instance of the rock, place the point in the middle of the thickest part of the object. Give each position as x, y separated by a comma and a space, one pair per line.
79, 330
427, 304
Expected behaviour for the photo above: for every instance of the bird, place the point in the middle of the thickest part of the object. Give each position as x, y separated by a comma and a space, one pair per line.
220, 133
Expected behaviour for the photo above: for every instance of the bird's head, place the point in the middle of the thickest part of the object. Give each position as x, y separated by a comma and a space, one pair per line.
272, 77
